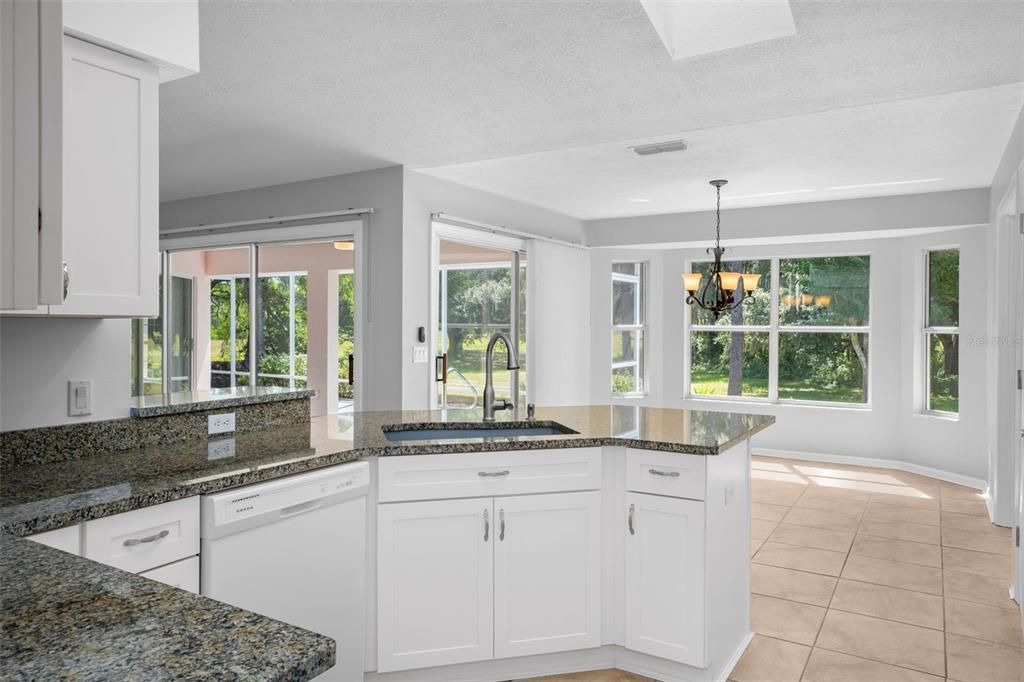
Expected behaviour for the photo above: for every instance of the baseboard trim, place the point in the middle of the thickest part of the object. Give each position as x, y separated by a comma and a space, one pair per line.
940, 474
737, 655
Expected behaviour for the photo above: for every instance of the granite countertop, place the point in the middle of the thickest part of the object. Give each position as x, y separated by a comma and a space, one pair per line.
63, 614
217, 398
65, 617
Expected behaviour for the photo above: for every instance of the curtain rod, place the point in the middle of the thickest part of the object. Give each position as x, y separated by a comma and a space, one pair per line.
270, 221
501, 229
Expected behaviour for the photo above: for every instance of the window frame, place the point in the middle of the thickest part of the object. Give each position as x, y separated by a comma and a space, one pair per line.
928, 330
775, 329
641, 371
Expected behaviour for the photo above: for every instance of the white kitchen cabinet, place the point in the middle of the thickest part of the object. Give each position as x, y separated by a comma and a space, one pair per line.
30, 155
110, 186
435, 577
664, 577
67, 539
79, 152
144, 539
183, 574
547, 573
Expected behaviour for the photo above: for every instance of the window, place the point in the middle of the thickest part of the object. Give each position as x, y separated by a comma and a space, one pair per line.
804, 337
823, 329
628, 320
730, 356
942, 331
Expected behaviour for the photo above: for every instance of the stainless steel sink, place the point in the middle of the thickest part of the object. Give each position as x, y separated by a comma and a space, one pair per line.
396, 432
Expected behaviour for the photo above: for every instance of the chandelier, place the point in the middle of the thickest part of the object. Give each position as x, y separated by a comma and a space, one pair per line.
720, 292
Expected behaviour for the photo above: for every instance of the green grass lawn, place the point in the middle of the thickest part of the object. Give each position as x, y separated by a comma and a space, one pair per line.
716, 383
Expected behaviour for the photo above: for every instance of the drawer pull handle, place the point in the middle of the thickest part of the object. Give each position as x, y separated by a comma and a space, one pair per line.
493, 474
131, 542
632, 508
670, 474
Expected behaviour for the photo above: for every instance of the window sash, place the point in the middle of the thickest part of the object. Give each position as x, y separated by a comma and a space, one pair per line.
638, 327
774, 330
929, 330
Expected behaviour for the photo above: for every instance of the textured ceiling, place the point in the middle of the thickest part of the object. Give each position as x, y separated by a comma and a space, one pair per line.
295, 90
927, 144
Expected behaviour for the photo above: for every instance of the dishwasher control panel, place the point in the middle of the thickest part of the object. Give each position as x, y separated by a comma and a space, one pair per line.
282, 497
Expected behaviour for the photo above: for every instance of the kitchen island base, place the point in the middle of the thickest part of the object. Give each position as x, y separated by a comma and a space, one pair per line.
507, 565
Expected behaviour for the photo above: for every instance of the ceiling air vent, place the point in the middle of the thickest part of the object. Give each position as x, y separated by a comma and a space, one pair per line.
659, 147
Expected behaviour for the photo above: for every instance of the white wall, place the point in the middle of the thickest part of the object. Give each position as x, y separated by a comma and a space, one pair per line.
424, 195
38, 356
816, 221
892, 428
1003, 253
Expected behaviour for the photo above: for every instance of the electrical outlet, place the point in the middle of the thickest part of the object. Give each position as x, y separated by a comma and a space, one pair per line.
79, 398
221, 423
220, 448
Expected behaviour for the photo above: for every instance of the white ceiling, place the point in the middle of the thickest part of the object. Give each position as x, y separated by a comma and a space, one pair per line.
927, 144
295, 90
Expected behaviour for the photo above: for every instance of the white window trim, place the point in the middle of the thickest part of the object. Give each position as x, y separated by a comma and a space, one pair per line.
927, 331
640, 364
774, 330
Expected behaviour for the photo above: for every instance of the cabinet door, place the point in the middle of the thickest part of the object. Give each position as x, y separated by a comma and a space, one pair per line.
68, 539
547, 573
665, 577
110, 200
435, 566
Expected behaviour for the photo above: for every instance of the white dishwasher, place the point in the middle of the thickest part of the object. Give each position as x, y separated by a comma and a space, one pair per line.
294, 549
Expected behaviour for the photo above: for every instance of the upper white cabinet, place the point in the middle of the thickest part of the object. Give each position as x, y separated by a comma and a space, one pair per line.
547, 573
111, 195
665, 577
79, 153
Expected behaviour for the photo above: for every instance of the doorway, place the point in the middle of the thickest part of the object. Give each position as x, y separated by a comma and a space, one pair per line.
479, 282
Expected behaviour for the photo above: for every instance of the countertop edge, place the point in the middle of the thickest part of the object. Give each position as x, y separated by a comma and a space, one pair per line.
144, 411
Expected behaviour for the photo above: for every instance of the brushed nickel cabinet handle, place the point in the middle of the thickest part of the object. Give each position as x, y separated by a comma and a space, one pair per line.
670, 474
501, 520
632, 508
131, 542
487, 525
493, 474
66, 273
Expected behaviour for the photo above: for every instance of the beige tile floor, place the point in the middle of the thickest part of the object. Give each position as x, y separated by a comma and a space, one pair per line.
862, 574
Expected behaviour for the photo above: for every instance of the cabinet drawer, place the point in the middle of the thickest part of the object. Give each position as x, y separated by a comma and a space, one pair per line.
182, 574
665, 473
432, 477
145, 538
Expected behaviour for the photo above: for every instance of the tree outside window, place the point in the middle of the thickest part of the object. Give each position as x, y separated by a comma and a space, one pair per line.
803, 337
942, 331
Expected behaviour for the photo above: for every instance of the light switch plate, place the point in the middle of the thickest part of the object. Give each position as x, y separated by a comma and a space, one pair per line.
220, 423
419, 354
79, 398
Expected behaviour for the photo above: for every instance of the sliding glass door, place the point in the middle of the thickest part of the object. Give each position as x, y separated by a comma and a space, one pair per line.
481, 292
261, 313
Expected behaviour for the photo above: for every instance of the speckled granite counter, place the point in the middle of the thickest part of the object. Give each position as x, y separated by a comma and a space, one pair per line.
67, 616
214, 399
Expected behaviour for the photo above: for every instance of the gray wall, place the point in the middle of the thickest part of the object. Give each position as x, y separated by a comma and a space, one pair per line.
380, 190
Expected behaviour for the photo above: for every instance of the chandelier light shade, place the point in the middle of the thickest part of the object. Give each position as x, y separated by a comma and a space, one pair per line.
721, 291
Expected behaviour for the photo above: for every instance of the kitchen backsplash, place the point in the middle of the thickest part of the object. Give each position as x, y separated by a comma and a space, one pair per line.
86, 439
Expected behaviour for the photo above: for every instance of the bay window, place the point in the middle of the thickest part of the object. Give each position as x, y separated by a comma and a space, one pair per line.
942, 331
